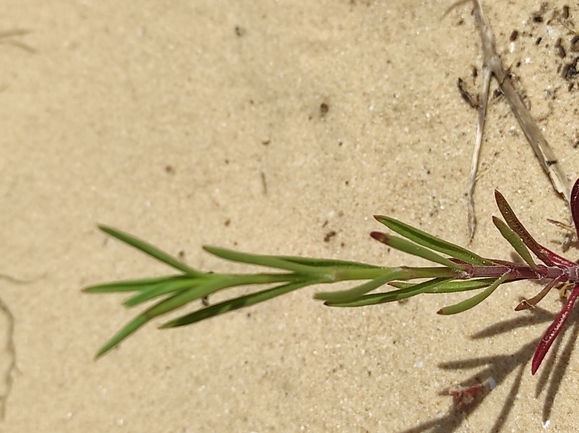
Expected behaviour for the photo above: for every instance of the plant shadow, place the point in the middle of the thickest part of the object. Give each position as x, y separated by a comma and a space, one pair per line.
496, 369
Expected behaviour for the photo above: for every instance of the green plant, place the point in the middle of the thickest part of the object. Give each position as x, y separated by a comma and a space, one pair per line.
458, 270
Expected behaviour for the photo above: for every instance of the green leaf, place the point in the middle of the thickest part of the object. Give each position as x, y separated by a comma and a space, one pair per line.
415, 249
260, 260
328, 263
171, 303
234, 304
450, 286
475, 300
429, 241
149, 249
395, 295
127, 330
175, 284
516, 242
126, 286
386, 276
348, 295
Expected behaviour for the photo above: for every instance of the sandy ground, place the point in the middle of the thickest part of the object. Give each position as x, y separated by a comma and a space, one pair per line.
201, 122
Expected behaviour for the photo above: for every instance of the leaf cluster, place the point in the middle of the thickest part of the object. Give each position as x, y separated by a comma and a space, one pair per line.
455, 269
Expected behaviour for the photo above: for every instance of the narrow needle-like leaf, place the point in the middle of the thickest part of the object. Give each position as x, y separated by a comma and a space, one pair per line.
450, 286
515, 241
475, 300
395, 295
429, 241
126, 286
257, 259
327, 263
348, 295
175, 301
127, 330
529, 303
174, 285
415, 249
388, 274
149, 249
553, 330
234, 304
544, 254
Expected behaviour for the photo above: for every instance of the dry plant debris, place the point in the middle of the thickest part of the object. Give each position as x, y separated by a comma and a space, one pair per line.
493, 66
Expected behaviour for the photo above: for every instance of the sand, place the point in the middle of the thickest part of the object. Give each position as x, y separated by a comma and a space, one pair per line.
263, 126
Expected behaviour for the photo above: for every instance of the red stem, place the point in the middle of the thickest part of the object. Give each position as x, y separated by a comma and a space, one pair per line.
518, 272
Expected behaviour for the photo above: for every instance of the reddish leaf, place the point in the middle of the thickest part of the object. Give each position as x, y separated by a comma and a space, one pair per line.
544, 254
515, 225
574, 202
553, 330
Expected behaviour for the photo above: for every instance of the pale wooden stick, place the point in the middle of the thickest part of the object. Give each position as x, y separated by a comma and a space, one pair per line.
482, 112
493, 65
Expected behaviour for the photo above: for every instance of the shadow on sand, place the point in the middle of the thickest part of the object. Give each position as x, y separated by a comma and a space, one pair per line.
497, 369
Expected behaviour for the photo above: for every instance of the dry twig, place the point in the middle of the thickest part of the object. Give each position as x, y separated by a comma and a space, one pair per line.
493, 65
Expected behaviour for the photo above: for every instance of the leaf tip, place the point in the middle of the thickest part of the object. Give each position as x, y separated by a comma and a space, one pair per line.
536, 363
103, 350
380, 237
105, 228
523, 305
